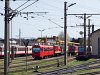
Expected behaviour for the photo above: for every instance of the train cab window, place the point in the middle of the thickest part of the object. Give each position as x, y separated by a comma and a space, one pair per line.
35, 50
50, 49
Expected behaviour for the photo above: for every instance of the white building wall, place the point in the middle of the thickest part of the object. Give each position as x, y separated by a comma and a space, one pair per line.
94, 43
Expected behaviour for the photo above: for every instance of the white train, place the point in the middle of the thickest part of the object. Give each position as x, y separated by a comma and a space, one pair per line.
17, 50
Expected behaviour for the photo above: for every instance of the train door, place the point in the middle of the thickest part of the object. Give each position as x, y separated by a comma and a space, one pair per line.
99, 47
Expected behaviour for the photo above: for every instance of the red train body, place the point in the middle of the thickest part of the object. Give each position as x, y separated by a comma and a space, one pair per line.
42, 51
72, 50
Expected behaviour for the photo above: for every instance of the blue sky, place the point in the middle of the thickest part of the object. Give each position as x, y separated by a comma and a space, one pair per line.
55, 9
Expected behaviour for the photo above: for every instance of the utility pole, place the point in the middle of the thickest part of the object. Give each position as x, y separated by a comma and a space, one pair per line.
92, 28
8, 17
65, 30
85, 27
84, 33
20, 37
6, 37
84, 30
65, 27
89, 49
41, 31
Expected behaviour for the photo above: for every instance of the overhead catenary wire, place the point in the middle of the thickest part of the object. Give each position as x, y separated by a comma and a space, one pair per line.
51, 5
49, 28
28, 5
55, 22
12, 14
22, 5
56, 7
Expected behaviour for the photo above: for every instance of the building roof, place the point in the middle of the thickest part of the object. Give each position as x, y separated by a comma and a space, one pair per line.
94, 32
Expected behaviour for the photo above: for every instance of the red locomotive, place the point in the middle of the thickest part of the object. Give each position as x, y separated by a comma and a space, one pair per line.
42, 51
73, 50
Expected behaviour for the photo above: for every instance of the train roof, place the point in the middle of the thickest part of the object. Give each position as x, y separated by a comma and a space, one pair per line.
44, 45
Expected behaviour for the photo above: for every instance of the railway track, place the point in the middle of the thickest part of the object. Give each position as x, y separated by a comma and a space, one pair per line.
85, 66
19, 67
30, 61
91, 73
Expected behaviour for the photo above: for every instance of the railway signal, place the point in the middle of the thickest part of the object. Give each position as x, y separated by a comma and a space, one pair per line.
26, 42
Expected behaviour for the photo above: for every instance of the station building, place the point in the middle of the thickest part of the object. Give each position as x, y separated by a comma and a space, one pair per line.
95, 43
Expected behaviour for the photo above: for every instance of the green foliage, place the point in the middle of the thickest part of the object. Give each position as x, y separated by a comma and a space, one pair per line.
43, 63
79, 40
61, 36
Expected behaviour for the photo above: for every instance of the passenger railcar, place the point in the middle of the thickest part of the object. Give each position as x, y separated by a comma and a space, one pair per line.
20, 50
42, 51
1, 51
17, 50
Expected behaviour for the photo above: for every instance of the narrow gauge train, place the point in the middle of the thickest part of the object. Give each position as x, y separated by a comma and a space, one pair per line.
43, 51
17, 50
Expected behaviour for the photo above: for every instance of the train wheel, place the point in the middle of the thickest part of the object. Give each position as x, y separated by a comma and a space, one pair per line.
45, 57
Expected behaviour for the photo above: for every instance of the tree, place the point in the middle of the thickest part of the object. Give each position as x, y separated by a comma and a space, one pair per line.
61, 36
80, 40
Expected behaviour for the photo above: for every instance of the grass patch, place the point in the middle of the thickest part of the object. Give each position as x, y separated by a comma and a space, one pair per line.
44, 63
